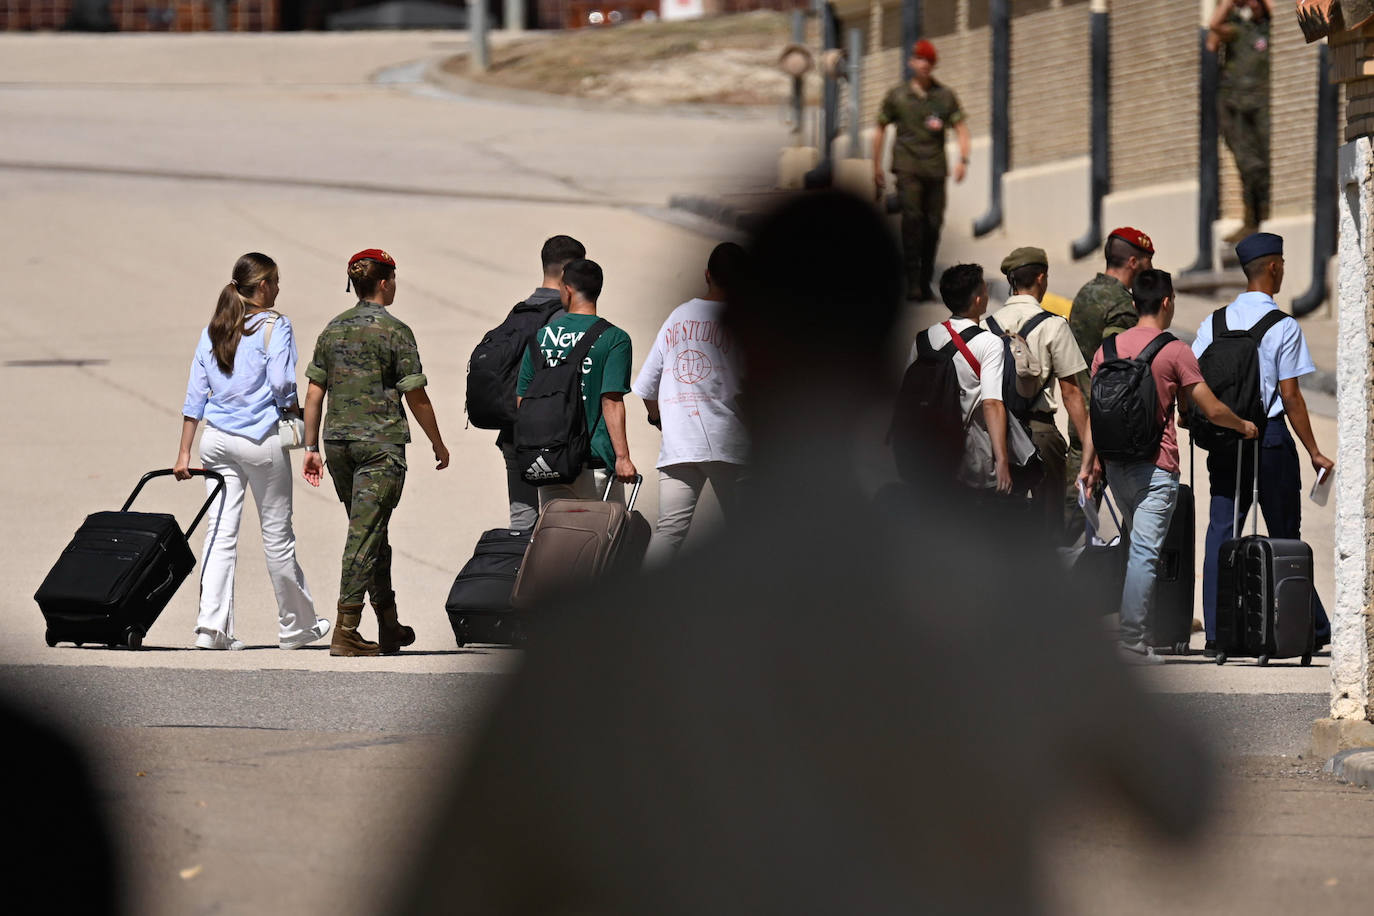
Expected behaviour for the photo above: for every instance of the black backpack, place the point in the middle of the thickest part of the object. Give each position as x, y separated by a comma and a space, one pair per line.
495, 364
1230, 367
1017, 405
552, 443
927, 431
1124, 407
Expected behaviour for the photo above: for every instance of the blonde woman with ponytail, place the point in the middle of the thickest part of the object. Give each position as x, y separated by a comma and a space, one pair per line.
243, 380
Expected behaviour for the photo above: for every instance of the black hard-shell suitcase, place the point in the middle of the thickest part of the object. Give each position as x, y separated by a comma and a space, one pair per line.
1170, 623
1264, 594
479, 604
118, 573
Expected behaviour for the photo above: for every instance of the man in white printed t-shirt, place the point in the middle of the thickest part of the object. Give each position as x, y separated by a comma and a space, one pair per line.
965, 293
690, 384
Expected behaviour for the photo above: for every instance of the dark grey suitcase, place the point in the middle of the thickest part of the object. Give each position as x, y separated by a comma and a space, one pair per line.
479, 604
118, 572
1264, 594
1169, 626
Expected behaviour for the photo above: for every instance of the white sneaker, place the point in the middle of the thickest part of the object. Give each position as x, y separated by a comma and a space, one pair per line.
217, 641
306, 637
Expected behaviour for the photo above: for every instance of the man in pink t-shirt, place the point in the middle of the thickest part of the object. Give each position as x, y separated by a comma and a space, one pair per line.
1147, 491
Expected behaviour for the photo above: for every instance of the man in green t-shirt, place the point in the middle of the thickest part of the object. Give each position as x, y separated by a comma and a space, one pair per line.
605, 379
1240, 30
921, 111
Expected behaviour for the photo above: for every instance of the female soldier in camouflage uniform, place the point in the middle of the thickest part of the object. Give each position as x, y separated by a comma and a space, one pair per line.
367, 359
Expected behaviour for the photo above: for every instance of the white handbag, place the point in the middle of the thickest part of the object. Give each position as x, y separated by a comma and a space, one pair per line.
290, 427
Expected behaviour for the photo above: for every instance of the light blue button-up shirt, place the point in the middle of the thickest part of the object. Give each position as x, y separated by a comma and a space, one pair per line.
1282, 353
250, 400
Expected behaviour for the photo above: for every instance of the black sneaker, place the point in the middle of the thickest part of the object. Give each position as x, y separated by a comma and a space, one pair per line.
1209, 649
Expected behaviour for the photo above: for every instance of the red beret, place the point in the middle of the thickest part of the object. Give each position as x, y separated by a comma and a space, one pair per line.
1134, 237
924, 50
372, 254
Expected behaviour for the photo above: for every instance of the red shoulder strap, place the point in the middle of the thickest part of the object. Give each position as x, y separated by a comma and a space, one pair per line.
963, 348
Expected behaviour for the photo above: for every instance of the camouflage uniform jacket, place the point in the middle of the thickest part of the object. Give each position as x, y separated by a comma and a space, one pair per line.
921, 120
366, 358
1102, 308
1245, 60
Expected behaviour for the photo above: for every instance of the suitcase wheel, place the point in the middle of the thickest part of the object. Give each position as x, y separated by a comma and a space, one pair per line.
1306, 660
133, 639
50, 639
1181, 648
1221, 658
1262, 660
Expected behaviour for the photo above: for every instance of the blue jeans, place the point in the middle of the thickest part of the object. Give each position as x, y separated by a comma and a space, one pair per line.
1146, 496
1280, 497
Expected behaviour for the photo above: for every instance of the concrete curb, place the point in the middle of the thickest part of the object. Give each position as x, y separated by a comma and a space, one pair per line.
1355, 766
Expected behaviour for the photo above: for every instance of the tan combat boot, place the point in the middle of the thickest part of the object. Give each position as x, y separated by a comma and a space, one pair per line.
391, 633
1249, 227
347, 641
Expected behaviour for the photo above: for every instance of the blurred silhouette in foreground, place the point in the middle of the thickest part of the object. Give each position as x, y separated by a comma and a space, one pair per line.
834, 706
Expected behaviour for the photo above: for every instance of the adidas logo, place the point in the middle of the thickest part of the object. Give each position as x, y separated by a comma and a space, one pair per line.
540, 470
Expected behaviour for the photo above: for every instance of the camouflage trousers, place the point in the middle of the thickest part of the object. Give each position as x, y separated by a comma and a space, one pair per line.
923, 213
1245, 127
368, 477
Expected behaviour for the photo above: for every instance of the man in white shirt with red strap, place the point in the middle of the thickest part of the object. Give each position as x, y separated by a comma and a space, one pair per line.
979, 362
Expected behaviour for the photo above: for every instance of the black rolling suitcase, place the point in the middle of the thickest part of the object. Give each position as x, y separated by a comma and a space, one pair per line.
118, 573
479, 604
1264, 593
1169, 627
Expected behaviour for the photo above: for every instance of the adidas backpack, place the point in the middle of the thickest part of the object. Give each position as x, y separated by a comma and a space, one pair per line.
927, 431
495, 364
1230, 367
1124, 408
1021, 385
552, 443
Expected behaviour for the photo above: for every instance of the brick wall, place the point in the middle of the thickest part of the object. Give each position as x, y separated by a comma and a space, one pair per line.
1051, 89
143, 16
1154, 92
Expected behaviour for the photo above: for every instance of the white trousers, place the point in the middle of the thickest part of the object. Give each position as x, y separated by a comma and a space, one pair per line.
266, 468
679, 490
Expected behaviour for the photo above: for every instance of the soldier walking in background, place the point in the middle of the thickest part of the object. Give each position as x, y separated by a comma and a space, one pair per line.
366, 360
1240, 31
1103, 308
921, 110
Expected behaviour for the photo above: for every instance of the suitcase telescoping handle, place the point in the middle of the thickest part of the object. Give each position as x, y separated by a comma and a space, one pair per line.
634, 492
1236, 520
195, 472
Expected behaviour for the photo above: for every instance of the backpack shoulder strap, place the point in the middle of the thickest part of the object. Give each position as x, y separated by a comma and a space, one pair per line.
969, 333
1109, 348
584, 346
1035, 323
1162, 340
994, 327
1219, 323
267, 324
962, 343
1262, 326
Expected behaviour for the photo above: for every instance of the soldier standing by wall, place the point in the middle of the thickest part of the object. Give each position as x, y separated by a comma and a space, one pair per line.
921, 110
367, 359
1240, 28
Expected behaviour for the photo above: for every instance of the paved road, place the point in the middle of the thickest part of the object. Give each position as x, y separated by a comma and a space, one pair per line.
133, 170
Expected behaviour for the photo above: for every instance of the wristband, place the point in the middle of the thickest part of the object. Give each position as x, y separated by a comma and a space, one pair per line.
312, 448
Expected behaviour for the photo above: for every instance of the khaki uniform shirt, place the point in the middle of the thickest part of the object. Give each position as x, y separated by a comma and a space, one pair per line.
1052, 343
921, 120
365, 359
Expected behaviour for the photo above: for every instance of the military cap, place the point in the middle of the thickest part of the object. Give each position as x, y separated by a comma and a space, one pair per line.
372, 254
924, 50
1134, 237
1258, 245
1024, 257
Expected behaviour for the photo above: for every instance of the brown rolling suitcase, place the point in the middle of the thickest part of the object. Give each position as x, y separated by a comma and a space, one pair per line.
576, 542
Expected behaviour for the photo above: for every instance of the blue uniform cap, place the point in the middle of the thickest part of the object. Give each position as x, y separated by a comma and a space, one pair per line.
1258, 245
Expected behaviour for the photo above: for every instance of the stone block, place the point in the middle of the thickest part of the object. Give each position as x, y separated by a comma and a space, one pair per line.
1331, 736
793, 164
